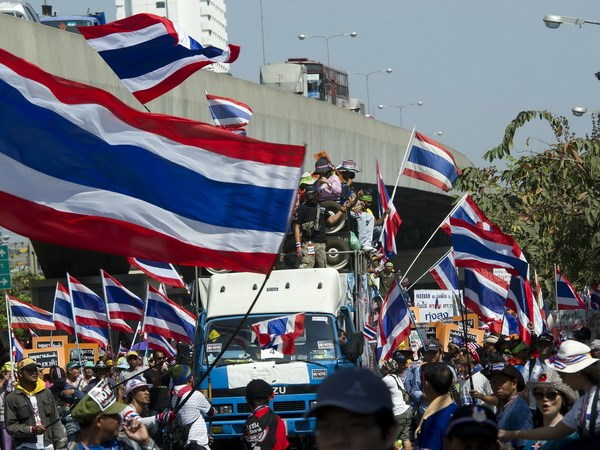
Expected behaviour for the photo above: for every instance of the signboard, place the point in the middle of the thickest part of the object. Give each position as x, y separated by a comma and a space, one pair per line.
472, 320
5, 277
455, 333
89, 352
434, 305
568, 321
45, 342
47, 358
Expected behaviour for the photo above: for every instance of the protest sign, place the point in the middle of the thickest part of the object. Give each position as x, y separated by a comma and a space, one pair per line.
454, 333
434, 305
46, 358
567, 321
89, 352
47, 342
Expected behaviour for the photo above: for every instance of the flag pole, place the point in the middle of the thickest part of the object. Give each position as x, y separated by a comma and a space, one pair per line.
428, 270
555, 288
74, 320
434, 232
110, 337
412, 135
11, 337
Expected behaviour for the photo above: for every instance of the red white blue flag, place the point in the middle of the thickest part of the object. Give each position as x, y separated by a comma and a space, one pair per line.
24, 315
280, 333
392, 221
370, 333
228, 113
166, 318
394, 322
148, 185
520, 300
566, 295
510, 325
430, 161
160, 271
17, 348
151, 55
121, 303
444, 272
63, 310
158, 342
466, 209
88, 307
485, 294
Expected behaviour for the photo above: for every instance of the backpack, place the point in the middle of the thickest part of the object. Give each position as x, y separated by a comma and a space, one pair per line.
405, 395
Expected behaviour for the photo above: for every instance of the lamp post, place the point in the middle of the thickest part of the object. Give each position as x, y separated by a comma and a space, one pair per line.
262, 32
400, 107
367, 75
554, 21
353, 34
581, 110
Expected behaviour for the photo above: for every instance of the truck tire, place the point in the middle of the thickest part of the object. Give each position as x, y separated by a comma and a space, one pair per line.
335, 259
331, 207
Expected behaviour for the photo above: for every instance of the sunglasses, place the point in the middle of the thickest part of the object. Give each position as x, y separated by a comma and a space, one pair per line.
550, 395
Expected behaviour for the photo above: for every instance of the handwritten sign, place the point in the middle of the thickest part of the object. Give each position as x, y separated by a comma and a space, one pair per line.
434, 305
46, 358
46, 342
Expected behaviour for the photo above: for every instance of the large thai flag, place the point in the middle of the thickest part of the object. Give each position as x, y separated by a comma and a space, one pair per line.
444, 272
228, 113
520, 300
485, 294
121, 303
80, 168
151, 55
158, 342
63, 310
167, 318
88, 307
466, 209
160, 271
430, 161
24, 315
394, 322
566, 295
478, 248
392, 221
280, 333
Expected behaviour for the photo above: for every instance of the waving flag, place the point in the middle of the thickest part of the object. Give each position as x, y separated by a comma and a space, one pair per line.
167, 318
280, 333
466, 209
24, 315
88, 307
147, 186
392, 221
158, 342
510, 325
17, 348
151, 55
430, 161
160, 271
121, 303
485, 294
370, 333
566, 295
520, 299
478, 248
228, 113
63, 310
595, 296
394, 322
444, 272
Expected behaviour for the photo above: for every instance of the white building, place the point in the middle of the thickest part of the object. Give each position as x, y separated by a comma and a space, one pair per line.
203, 20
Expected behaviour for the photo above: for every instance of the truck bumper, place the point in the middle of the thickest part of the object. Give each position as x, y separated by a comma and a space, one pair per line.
234, 428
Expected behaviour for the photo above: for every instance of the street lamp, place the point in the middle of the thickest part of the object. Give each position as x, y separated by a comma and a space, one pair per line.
554, 21
309, 36
581, 110
367, 75
400, 107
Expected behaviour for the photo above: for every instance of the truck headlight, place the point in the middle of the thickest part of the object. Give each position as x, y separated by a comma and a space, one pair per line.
312, 404
224, 409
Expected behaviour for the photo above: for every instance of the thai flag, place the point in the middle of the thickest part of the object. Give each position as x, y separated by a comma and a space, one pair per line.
510, 325
167, 318
151, 55
430, 161
466, 209
88, 307
228, 113
394, 322
24, 315
122, 349
595, 296
392, 221
160, 271
17, 348
158, 342
520, 299
485, 294
63, 310
147, 187
370, 333
566, 295
280, 333
444, 272
121, 303
478, 248
90, 333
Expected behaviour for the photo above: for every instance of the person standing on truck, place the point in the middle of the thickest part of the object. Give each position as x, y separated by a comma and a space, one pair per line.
263, 430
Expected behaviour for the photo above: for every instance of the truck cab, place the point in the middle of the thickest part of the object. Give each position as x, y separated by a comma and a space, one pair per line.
318, 293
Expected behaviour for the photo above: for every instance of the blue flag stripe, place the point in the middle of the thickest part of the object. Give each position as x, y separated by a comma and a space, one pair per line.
425, 158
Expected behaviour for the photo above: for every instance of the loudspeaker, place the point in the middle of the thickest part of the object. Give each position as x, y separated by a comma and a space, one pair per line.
335, 245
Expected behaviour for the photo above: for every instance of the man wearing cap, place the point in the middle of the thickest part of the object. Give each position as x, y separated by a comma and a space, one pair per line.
347, 170
513, 411
328, 184
99, 415
30, 412
137, 397
263, 430
533, 368
472, 427
74, 375
136, 367
86, 375
387, 275
489, 354
100, 373
354, 410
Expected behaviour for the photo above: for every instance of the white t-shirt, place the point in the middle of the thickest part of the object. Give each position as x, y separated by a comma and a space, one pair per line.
193, 411
395, 385
572, 419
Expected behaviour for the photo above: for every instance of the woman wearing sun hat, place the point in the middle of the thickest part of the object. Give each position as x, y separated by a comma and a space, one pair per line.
579, 371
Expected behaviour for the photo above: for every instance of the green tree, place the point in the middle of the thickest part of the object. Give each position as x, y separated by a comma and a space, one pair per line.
549, 201
21, 289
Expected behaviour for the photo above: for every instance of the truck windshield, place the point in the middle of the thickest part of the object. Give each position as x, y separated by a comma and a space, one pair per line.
317, 342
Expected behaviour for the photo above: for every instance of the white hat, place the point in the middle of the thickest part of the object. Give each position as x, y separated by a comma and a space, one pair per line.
133, 384
572, 357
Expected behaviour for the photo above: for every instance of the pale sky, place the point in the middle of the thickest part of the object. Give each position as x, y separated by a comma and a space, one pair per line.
473, 64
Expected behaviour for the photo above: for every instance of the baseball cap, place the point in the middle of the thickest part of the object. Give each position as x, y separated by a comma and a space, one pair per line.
101, 365
25, 363
7, 367
473, 421
433, 346
101, 400
89, 365
73, 365
505, 369
180, 374
132, 385
130, 354
258, 390
545, 337
354, 389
